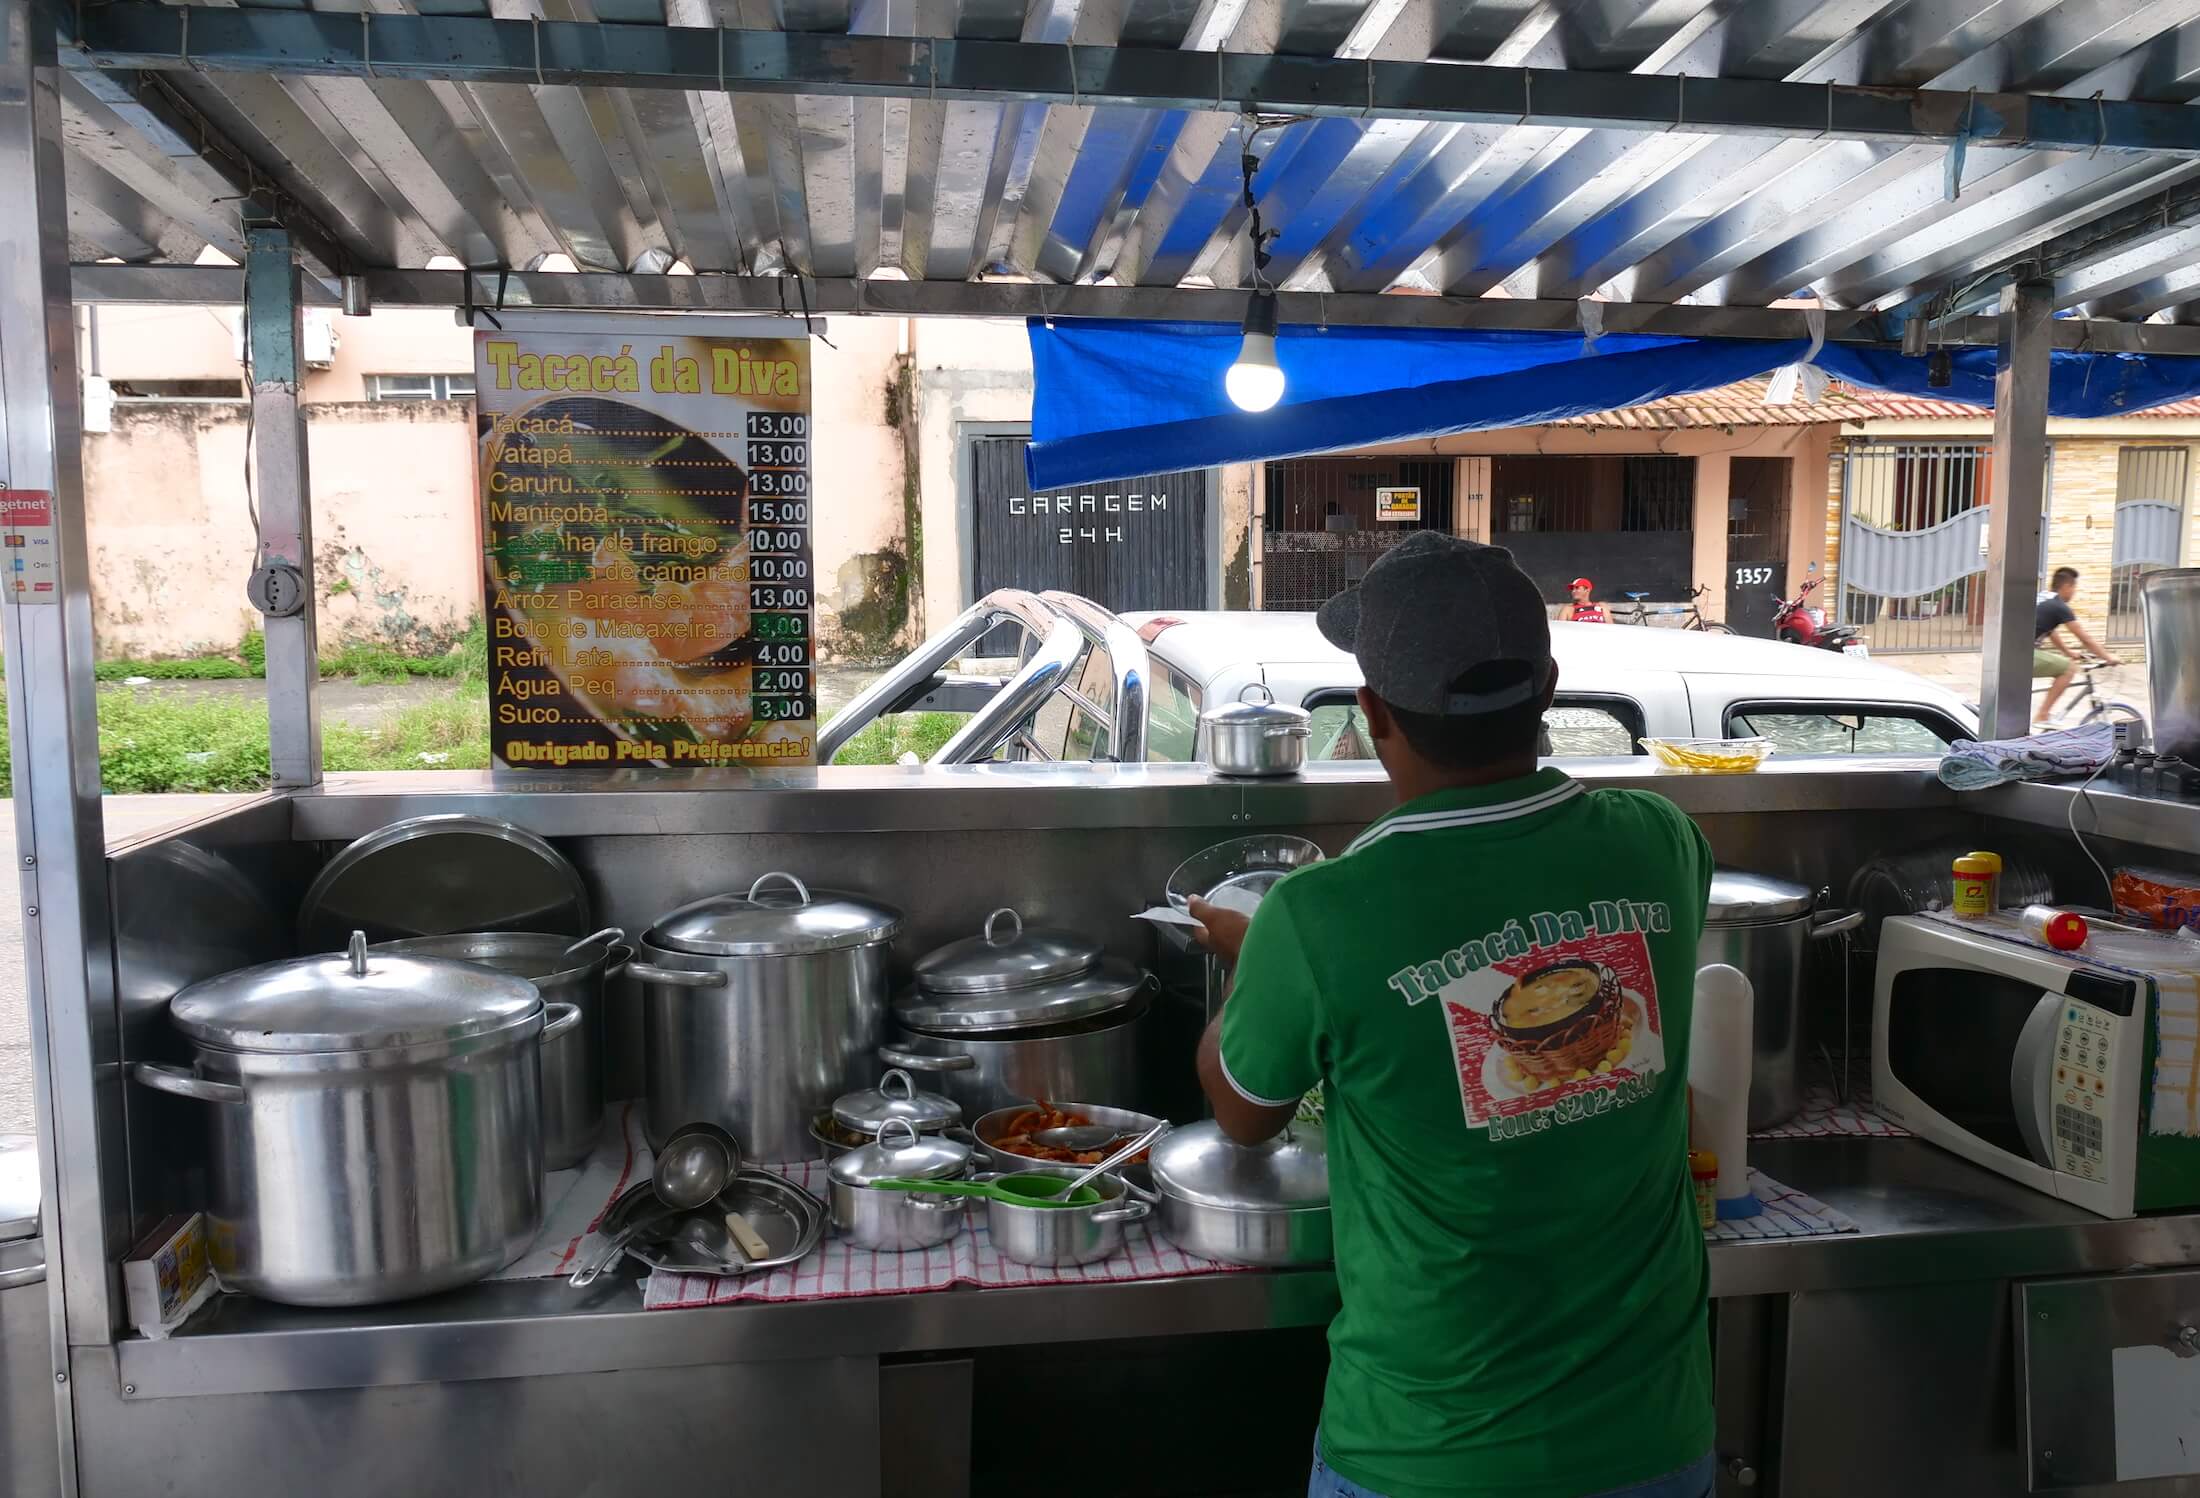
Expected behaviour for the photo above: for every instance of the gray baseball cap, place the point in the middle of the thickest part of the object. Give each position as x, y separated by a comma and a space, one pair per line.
1432, 608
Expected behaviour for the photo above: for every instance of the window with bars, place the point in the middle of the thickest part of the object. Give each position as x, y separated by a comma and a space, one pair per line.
2150, 528
1913, 557
1321, 530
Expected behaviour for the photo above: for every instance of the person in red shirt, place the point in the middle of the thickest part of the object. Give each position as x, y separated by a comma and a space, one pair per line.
1581, 610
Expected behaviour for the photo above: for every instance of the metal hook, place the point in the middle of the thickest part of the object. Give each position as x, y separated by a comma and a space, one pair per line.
535, 25
1680, 102
366, 40
2100, 118
1076, 94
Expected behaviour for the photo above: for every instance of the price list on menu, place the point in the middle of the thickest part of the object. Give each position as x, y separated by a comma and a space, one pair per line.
780, 584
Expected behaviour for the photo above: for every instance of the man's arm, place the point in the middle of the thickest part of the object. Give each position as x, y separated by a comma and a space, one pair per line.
1275, 1004
1241, 1118
2090, 643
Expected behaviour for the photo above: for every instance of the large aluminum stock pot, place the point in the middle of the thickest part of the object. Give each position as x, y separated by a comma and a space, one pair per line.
1013, 1014
759, 1009
564, 971
376, 1128
1764, 926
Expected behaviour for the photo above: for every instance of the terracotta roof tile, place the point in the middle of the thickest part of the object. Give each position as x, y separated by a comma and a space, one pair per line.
1742, 404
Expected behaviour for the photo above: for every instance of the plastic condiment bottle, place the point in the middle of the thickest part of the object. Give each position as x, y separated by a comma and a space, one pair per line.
1977, 885
1703, 1178
2064, 930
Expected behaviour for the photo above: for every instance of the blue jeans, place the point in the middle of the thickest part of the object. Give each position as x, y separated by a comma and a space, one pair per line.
1692, 1481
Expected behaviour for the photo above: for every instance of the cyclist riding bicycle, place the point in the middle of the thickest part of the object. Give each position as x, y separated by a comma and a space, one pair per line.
2052, 654
1581, 610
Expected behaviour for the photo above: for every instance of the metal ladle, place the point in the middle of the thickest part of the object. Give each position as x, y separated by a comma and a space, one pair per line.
693, 1167
608, 934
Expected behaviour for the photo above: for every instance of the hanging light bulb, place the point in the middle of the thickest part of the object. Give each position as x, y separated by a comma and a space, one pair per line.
1255, 379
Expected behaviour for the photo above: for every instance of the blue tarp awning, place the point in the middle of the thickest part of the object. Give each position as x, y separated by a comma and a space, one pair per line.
1116, 399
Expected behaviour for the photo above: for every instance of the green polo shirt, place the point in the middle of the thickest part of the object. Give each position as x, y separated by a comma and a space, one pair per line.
1493, 986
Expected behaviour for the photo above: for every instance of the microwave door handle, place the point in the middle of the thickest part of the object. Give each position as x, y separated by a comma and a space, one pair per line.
2030, 1067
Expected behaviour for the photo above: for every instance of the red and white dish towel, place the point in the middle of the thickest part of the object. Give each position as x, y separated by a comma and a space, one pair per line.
1825, 1116
837, 1269
1788, 1214
573, 1200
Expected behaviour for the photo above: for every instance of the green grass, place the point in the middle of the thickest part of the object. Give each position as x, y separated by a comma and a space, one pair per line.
884, 740
157, 741
370, 663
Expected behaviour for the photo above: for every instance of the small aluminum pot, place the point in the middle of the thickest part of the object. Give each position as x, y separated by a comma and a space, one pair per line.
890, 1222
1053, 1237
1271, 1239
569, 1111
1254, 738
886, 1221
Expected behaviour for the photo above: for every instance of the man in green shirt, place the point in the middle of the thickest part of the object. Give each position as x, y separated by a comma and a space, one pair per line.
1493, 986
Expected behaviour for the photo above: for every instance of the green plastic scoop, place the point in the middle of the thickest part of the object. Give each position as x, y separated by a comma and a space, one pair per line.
1020, 1191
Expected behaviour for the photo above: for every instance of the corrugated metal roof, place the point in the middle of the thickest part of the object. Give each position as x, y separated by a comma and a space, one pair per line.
402, 171
1742, 404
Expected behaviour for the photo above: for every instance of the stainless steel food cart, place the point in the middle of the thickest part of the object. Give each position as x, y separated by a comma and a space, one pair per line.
1927, 1353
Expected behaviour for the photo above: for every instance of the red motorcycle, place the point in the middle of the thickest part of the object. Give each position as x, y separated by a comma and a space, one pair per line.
1801, 625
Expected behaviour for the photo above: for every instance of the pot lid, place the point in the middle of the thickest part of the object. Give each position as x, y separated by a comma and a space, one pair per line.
1739, 897
782, 919
1110, 986
1006, 955
448, 872
1263, 710
354, 1001
533, 955
902, 1154
1199, 1163
19, 1188
896, 1096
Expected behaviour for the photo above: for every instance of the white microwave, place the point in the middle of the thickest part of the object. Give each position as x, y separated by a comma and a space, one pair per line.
2076, 1073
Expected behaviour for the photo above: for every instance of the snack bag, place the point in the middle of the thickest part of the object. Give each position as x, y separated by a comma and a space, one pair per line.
2157, 898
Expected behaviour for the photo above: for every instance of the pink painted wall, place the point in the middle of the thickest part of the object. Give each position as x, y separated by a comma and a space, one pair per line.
171, 543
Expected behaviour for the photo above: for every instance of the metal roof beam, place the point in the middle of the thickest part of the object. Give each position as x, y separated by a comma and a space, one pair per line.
473, 49
490, 291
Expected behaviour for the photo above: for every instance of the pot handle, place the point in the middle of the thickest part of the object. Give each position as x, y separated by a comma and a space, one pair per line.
174, 1079
918, 1201
1834, 922
1288, 731
616, 960
917, 1061
676, 977
608, 934
559, 1018
799, 887
995, 941
1128, 1211
1267, 694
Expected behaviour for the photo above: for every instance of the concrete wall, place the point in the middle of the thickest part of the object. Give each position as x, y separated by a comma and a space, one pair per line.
395, 543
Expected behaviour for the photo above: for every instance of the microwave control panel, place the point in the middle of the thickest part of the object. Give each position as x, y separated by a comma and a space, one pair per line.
2085, 1040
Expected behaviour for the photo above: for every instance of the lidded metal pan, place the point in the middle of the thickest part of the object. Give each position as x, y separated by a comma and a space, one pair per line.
426, 876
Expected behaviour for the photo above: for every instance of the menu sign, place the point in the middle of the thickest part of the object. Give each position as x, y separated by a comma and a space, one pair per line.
646, 515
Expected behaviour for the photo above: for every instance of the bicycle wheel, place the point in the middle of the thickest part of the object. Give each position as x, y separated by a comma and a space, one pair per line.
1713, 627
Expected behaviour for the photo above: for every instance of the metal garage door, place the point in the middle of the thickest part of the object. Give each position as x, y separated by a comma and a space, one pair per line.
1128, 544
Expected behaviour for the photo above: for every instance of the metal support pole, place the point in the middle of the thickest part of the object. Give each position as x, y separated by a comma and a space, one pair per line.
2019, 499
274, 319
46, 609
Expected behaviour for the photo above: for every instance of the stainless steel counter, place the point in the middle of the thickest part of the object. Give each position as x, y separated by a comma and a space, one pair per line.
616, 802
1926, 1217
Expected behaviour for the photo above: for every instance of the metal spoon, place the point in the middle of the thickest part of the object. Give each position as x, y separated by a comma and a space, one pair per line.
1112, 1161
1080, 1137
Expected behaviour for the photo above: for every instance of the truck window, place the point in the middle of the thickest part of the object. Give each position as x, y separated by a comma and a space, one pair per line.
1172, 717
1861, 729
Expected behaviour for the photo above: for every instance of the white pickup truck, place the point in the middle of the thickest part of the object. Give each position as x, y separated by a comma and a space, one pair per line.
1094, 685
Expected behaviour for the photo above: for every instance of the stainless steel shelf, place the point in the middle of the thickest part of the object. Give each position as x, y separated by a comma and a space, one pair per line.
1926, 1217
